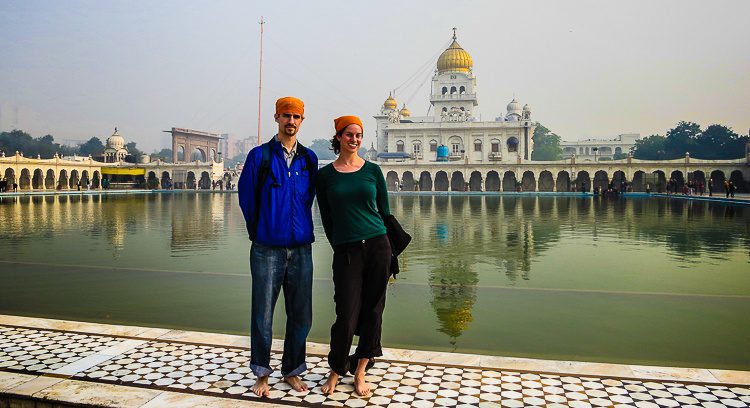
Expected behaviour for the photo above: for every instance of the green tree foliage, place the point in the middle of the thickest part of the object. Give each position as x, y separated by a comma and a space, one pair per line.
716, 142
322, 149
546, 144
720, 142
650, 148
93, 147
134, 154
164, 154
45, 146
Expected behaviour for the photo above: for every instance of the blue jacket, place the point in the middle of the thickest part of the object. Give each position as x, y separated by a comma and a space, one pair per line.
285, 217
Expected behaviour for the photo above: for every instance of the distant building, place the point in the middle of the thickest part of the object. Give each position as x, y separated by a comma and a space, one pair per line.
243, 147
194, 145
115, 150
453, 132
597, 149
224, 146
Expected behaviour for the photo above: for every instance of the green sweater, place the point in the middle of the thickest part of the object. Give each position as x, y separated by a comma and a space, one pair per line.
352, 205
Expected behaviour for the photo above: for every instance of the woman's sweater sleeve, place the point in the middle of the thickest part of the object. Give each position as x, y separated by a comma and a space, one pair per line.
325, 210
384, 207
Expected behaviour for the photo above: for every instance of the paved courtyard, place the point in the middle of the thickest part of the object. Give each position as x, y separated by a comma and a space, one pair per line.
104, 365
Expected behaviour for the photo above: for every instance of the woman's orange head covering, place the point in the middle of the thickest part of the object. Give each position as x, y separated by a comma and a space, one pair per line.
290, 104
344, 121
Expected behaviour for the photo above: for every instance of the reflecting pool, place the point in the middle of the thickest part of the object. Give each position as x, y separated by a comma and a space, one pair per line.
630, 280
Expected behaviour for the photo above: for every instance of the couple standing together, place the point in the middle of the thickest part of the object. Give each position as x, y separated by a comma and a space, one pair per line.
276, 191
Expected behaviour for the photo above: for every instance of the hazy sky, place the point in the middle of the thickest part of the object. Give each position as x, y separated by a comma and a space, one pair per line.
77, 69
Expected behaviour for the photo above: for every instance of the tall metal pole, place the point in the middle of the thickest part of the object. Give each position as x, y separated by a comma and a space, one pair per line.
260, 80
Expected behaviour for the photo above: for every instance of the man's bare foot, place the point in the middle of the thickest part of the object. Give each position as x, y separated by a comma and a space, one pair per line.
330, 385
260, 388
360, 385
296, 383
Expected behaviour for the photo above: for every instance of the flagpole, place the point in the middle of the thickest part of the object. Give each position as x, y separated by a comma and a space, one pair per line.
260, 79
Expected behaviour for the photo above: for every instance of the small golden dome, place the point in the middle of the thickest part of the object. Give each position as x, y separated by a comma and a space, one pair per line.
454, 59
405, 112
390, 103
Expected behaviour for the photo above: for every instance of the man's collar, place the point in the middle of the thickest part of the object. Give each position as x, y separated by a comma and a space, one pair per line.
294, 147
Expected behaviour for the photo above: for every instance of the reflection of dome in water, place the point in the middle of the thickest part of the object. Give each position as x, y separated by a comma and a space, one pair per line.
453, 286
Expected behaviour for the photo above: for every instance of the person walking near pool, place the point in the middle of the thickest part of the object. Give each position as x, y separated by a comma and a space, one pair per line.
353, 203
276, 190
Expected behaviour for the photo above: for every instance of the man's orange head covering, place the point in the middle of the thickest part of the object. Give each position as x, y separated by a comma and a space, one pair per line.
344, 121
290, 104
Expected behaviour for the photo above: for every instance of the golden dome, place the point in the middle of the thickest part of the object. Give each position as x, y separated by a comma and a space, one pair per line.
454, 59
405, 112
390, 103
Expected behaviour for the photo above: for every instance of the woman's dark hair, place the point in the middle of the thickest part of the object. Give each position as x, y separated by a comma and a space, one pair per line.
335, 144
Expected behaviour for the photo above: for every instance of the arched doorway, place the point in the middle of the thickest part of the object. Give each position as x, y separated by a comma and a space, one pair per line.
509, 181
391, 181
601, 180
10, 177
152, 182
190, 181
617, 179
166, 181
441, 181
62, 181
739, 183
583, 181
679, 180
475, 181
407, 182
638, 183
528, 182
85, 181
96, 181
37, 182
698, 177
457, 181
493, 181
425, 181
204, 183
49, 180
198, 155
546, 181
718, 177
24, 182
74, 179
661, 181
563, 181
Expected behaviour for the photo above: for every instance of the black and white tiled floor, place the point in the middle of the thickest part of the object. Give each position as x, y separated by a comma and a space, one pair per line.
224, 372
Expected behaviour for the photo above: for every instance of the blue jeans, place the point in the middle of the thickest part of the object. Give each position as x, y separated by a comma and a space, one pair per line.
273, 269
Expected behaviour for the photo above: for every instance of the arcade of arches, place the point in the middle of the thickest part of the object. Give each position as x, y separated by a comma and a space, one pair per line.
582, 178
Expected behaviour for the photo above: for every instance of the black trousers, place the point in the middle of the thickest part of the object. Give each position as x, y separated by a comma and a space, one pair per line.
360, 279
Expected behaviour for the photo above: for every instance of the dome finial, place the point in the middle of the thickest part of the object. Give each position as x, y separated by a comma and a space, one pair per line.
454, 33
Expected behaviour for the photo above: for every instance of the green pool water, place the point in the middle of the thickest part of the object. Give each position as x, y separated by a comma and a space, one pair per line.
628, 280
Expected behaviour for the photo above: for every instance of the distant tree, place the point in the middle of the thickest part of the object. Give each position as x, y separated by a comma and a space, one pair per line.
719, 142
164, 154
619, 156
650, 148
134, 154
238, 159
681, 139
93, 147
322, 149
546, 144
45, 146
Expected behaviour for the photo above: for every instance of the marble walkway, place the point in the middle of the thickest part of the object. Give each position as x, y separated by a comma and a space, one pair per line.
90, 364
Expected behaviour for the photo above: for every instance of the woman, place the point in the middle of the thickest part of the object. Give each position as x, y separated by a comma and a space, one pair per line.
353, 201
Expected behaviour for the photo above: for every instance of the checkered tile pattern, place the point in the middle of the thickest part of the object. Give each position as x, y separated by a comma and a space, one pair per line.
224, 372
44, 351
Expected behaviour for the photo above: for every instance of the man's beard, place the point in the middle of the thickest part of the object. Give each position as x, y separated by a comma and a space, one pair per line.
290, 130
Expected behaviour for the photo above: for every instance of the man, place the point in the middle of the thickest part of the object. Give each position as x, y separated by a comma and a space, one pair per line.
276, 190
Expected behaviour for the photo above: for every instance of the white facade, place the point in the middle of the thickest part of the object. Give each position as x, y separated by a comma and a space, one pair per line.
597, 149
454, 123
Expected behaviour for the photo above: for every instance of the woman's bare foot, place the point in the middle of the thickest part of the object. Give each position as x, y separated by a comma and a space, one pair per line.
260, 388
360, 385
330, 385
296, 383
